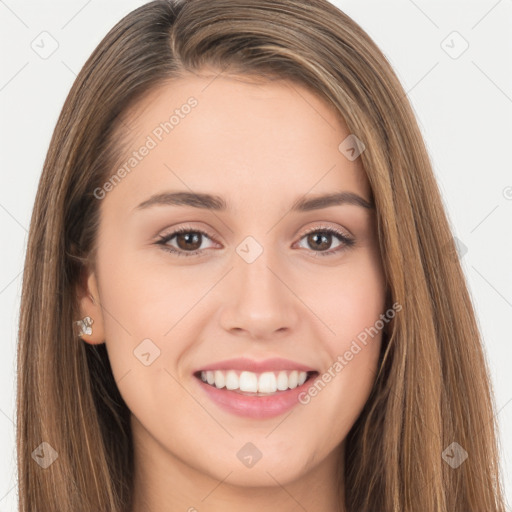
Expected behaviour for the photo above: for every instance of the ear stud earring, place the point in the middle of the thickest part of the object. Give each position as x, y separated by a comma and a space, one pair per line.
84, 326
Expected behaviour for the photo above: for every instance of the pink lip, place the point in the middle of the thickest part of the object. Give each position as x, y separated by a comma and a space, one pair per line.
267, 365
256, 407
252, 406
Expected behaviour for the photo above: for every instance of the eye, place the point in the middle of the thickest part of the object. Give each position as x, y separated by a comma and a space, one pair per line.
322, 238
188, 241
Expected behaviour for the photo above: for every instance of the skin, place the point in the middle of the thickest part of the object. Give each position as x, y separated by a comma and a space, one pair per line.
260, 146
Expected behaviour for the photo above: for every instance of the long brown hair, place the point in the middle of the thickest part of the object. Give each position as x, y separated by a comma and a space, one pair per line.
432, 388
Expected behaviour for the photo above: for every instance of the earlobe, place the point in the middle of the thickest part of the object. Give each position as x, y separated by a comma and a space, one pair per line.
90, 326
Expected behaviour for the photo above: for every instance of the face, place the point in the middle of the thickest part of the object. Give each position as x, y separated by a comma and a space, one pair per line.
217, 261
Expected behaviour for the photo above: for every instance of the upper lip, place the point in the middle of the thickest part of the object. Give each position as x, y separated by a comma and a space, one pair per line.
251, 365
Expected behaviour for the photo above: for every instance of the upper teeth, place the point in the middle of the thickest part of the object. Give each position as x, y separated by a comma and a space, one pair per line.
266, 382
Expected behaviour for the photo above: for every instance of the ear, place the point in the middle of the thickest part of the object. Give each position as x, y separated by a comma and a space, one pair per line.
90, 306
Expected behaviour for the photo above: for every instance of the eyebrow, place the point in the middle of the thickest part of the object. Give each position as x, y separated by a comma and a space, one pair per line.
217, 203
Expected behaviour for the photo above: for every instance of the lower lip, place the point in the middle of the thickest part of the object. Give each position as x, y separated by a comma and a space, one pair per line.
258, 407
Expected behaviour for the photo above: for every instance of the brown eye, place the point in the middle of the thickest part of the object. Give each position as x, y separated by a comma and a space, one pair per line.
184, 241
190, 240
321, 239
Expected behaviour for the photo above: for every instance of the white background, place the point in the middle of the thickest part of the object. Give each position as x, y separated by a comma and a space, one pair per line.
464, 107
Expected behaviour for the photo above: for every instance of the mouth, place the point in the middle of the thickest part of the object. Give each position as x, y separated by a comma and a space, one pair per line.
255, 393
249, 383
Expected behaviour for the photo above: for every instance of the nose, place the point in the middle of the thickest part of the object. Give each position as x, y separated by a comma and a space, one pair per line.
260, 302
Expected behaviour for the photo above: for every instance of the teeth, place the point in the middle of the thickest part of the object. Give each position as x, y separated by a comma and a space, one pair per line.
248, 382
220, 380
292, 379
232, 381
266, 382
282, 381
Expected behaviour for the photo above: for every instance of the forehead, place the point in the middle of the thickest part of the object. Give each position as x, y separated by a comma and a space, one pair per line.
226, 134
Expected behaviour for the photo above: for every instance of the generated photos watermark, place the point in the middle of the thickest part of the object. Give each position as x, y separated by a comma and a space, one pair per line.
152, 140
341, 361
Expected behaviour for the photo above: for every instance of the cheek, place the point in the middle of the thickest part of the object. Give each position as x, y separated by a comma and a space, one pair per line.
151, 313
351, 305
148, 321
347, 298
146, 296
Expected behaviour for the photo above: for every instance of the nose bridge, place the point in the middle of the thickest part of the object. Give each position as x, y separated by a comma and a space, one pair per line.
261, 302
256, 268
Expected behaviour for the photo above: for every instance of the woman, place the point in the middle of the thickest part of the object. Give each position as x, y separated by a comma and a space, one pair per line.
320, 352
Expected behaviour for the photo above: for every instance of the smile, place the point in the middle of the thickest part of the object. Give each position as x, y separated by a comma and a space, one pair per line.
255, 390
261, 384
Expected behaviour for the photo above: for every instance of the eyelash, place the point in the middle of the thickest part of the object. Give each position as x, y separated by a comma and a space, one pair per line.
347, 242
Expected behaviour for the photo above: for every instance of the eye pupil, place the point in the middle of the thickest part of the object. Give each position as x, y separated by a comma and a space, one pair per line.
184, 239
325, 241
